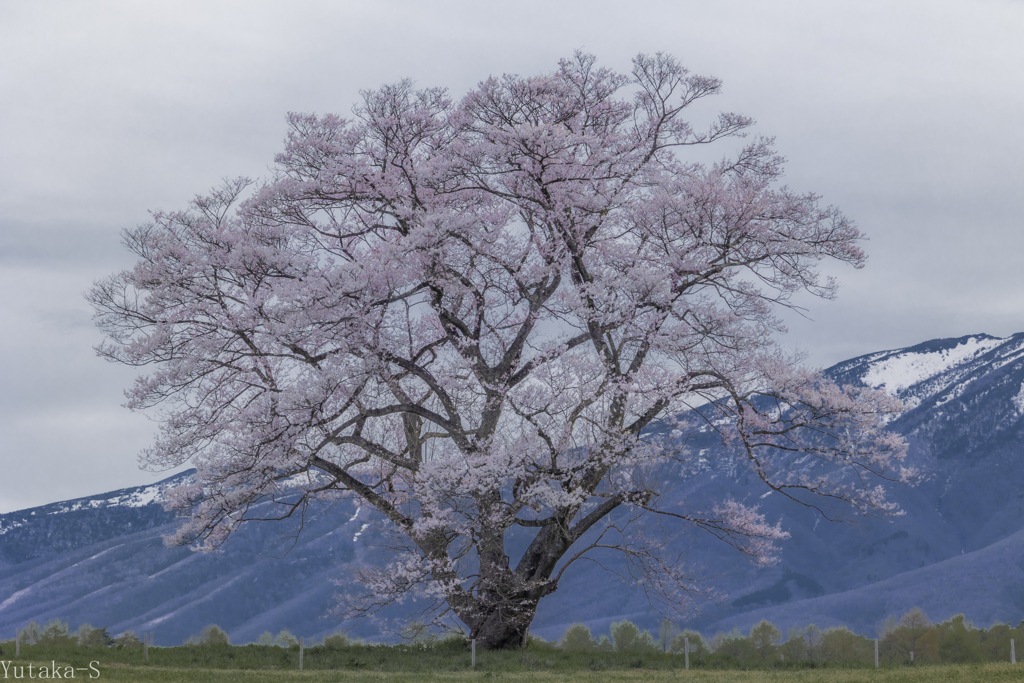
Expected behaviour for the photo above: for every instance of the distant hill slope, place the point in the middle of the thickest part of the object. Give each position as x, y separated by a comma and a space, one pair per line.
101, 559
264, 579
987, 584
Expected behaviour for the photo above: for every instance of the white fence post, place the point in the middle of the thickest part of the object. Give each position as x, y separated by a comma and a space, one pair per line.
17, 642
145, 646
686, 651
876, 653
1013, 654
472, 656
302, 646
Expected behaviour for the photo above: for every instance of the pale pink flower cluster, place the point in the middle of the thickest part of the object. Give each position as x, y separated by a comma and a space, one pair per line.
465, 314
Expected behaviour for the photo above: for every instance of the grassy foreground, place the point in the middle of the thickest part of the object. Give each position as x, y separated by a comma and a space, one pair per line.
946, 673
445, 661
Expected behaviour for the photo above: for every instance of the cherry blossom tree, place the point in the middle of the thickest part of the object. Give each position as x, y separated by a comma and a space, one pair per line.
466, 315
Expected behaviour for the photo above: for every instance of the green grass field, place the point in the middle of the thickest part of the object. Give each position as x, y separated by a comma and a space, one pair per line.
983, 673
446, 661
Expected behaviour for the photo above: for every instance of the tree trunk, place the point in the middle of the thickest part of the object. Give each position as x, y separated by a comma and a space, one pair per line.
505, 628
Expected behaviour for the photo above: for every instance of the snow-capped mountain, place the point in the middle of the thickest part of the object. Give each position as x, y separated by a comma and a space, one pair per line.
964, 425
965, 429
100, 559
942, 367
71, 524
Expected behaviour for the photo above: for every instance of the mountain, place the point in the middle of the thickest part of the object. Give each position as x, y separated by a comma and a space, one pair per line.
986, 584
965, 401
102, 560
957, 548
66, 526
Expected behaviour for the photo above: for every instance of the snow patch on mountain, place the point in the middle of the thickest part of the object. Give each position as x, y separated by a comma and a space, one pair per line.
1012, 351
14, 597
10, 525
899, 372
202, 597
134, 499
175, 566
1018, 400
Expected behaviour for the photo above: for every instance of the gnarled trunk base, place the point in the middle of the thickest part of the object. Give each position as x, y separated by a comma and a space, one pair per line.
504, 628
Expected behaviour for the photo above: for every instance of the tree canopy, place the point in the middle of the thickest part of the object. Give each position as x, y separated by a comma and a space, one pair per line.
465, 314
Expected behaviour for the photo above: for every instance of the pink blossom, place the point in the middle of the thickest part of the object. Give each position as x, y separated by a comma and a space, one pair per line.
464, 315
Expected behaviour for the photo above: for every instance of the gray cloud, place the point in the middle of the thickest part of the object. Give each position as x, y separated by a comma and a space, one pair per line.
906, 115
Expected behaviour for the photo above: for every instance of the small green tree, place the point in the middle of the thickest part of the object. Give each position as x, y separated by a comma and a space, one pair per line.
55, 633
995, 642
840, 644
87, 636
577, 638
625, 635
958, 641
213, 635
888, 650
795, 647
31, 634
915, 636
733, 647
127, 639
285, 638
802, 644
336, 641
698, 650
680, 639
911, 637
765, 637
266, 638
628, 638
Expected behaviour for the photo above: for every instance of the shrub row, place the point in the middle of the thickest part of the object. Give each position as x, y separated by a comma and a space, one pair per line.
57, 634
910, 638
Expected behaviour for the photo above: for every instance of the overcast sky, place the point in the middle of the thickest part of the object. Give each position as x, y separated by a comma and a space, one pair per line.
907, 115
